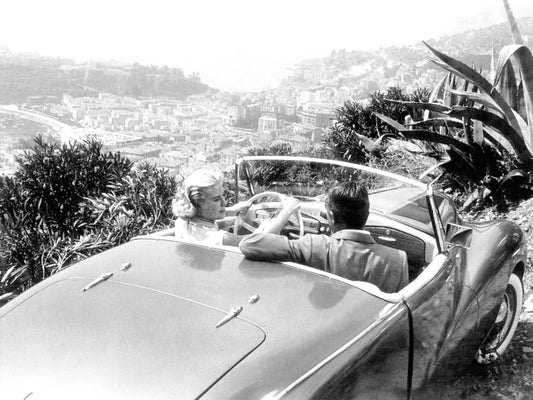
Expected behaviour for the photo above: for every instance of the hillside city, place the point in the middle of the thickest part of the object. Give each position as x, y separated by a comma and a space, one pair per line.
214, 127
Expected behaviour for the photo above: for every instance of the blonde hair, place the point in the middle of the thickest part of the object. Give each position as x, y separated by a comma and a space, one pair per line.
191, 194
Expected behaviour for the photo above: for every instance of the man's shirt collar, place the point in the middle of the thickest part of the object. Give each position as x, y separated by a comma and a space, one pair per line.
355, 235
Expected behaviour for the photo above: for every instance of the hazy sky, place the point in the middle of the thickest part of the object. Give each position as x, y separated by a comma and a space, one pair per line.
234, 44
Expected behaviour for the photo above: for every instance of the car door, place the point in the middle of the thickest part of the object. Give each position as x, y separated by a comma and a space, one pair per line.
372, 366
442, 315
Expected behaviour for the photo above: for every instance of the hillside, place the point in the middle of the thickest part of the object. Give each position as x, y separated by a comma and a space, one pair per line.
405, 66
24, 75
481, 41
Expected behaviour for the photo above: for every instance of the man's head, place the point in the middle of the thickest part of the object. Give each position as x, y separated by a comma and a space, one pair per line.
347, 206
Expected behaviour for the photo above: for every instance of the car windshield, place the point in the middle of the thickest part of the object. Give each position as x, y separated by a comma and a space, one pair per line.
395, 197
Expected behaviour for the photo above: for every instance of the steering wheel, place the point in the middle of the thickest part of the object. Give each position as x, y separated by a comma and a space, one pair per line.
261, 199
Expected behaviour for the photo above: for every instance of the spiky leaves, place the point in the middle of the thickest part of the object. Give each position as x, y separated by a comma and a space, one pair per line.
486, 128
522, 77
516, 133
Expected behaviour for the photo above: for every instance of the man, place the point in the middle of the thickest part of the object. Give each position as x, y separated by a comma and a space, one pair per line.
349, 252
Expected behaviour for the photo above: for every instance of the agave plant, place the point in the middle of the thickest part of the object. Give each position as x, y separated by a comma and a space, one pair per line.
484, 130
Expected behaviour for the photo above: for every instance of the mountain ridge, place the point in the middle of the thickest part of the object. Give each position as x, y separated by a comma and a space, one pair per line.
405, 66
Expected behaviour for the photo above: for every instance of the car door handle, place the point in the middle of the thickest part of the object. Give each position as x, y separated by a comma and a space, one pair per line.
387, 238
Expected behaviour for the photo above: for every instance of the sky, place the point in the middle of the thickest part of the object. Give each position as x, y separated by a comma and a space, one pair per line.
234, 45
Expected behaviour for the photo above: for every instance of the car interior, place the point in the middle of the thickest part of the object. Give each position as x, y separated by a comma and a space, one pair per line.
399, 215
399, 212
419, 245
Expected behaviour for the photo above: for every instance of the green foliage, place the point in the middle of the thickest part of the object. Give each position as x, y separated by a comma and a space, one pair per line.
139, 203
264, 173
69, 202
268, 172
55, 178
287, 174
60, 252
480, 132
357, 134
39, 205
400, 160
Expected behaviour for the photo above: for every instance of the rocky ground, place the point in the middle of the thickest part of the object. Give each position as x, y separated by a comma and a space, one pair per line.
511, 377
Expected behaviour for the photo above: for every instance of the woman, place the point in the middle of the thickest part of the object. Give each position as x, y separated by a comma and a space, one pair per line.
198, 206
201, 209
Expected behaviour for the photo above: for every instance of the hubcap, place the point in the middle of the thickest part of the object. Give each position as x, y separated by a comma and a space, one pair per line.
502, 325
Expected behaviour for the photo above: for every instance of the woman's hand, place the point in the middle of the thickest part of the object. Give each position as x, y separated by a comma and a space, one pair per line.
239, 208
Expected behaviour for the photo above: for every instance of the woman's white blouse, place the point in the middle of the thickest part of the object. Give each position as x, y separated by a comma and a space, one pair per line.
198, 231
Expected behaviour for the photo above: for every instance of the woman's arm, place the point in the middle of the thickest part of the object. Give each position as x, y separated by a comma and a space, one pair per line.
233, 210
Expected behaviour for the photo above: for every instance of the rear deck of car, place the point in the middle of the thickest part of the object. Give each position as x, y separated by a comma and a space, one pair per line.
158, 311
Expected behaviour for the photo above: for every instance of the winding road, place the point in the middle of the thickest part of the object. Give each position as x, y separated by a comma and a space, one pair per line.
66, 132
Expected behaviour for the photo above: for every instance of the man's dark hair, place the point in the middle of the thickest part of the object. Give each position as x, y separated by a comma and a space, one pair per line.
348, 202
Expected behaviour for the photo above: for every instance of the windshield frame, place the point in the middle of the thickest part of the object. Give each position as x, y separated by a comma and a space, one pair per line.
438, 229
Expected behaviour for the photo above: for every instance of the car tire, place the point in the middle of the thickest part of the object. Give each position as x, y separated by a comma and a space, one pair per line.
501, 333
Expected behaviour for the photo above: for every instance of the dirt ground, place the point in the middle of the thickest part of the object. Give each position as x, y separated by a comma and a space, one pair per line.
511, 377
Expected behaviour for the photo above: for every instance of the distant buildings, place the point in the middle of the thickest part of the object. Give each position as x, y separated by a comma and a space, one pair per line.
317, 117
267, 122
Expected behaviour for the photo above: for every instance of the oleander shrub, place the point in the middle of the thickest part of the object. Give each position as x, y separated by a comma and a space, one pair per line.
68, 202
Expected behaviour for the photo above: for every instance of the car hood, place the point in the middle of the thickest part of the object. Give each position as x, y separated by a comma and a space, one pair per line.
67, 343
150, 329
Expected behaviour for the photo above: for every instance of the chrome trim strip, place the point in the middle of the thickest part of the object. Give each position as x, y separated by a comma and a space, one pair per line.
97, 281
229, 316
365, 286
338, 163
188, 300
435, 219
391, 312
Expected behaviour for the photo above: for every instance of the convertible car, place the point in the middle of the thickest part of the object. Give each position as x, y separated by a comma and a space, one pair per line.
158, 318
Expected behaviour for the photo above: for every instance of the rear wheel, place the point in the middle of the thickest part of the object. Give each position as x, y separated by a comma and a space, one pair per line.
501, 333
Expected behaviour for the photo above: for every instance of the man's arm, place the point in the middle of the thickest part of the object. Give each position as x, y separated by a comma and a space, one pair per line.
261, 246
266, 247
290, 205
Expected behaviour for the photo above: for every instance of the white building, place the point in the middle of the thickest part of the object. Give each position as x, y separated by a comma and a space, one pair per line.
267, 123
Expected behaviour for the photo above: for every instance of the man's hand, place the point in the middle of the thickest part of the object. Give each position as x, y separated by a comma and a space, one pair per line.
290, 205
